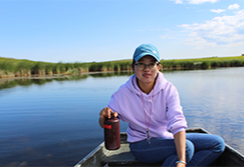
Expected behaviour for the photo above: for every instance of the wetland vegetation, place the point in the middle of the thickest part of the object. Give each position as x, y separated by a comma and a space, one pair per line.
10, 68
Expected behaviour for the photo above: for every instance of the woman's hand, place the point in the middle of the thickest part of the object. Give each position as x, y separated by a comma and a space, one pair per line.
106, 113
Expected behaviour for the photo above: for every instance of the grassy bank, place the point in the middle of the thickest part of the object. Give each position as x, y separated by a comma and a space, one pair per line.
24, 68
203, 63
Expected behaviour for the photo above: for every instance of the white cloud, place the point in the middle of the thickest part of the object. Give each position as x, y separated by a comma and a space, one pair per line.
201, 1
178, 1
234, 6
226, 30
217, 10
194, 1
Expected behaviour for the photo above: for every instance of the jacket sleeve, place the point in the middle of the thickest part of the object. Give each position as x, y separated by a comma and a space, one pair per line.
176, 119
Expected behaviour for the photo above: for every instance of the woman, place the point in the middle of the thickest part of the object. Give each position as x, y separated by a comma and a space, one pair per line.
151, 106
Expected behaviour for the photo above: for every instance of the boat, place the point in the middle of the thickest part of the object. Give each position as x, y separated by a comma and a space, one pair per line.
101, 157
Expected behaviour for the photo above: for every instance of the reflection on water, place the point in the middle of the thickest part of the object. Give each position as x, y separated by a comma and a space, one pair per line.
28, 81
54, 122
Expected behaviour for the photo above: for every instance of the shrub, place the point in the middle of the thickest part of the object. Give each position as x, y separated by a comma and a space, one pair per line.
23, 68
39, 68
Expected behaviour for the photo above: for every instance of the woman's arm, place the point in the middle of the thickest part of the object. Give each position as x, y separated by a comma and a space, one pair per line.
180, 143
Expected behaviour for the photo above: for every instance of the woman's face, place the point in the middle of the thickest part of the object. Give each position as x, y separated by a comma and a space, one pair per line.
146, 75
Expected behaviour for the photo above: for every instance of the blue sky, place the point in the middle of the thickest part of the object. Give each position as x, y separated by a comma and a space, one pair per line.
104, 30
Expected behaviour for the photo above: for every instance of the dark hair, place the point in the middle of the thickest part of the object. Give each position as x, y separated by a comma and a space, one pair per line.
133, 64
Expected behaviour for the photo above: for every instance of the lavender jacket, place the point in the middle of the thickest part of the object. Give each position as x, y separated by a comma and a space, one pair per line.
166, 117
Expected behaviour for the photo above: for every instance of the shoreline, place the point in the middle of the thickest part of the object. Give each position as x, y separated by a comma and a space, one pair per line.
11, 69
54, 76
33, 77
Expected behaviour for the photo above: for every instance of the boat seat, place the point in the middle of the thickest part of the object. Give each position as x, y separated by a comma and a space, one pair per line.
122, 157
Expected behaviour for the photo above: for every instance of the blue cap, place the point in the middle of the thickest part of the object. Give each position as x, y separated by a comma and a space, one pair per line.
144, 50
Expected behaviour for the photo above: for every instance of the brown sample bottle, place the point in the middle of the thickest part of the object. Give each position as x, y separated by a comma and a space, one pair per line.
112, 133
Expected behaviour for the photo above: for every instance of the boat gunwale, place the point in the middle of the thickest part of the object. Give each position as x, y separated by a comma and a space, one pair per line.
226, 145
91, 154
235, 155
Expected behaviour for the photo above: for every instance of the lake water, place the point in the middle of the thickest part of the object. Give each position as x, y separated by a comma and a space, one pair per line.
54, 122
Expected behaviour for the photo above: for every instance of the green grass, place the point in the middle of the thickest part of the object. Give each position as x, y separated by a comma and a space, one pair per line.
203, 63
21, 67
